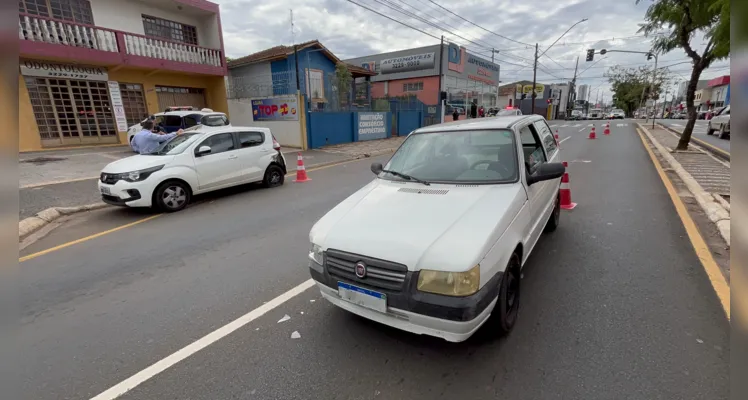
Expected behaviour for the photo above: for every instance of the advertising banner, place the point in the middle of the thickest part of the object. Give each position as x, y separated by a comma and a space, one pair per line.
47, 69
414, 62
372, 125
275, 109
117, 105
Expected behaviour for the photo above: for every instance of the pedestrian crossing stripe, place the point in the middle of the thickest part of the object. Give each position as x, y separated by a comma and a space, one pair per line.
619, 125
577, 125
565, 125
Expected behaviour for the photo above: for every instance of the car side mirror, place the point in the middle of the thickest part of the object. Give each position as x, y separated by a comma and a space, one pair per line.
377, 168
546, 172
203, 150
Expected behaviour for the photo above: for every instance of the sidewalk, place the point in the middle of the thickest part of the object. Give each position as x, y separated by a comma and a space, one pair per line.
705, 176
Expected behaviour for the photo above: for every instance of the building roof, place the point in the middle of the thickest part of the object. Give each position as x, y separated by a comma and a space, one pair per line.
722, 80
282, 52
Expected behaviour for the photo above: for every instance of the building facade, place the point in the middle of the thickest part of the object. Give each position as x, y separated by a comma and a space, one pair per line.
582, 92
720, 91
465, 77
91, 68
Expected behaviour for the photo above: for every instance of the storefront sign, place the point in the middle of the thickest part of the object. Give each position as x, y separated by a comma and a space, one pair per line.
46, 69
414, 62
117, 106
372, 125
275, 109
483, 64
539, 90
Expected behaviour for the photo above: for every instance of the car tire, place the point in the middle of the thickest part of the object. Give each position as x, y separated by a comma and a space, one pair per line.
709, 130
274, 177
555, 218
172, 196
723, 134
505, 312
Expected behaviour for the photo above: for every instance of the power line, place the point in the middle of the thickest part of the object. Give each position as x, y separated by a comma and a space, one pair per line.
474, 24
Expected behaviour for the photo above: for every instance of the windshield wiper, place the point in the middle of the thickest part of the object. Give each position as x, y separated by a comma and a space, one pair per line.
406, 176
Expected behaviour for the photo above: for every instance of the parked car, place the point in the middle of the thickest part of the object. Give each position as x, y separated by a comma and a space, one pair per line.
596, 113
198, 161
436, 243
576, 115
721, 123
172, 121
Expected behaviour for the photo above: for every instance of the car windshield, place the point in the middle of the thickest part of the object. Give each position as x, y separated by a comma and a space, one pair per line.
480, 156
507, 112
215, 120
177, 145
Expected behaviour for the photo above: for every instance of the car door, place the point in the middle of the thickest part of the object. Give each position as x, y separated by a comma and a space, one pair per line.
219, 168
533, 155
721, 119
252, 151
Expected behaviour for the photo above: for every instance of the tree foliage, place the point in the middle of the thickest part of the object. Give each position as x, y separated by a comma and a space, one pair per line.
631, 85
344, 78
682, 21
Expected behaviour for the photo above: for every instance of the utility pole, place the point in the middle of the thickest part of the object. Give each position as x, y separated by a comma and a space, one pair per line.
441, 82
295, 55
534, 77
664, 99
654, 74
572, 91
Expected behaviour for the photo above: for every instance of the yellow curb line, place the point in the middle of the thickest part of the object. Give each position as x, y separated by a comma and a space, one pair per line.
717, 279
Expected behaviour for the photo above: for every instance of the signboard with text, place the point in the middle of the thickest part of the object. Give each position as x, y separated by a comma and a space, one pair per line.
47, 69
283, 108
117, 106
372, 125
413, 62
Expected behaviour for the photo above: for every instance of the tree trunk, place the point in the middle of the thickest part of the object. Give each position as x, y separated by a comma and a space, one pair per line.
685, 137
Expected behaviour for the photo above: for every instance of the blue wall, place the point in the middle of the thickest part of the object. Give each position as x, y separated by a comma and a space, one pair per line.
407, 121
328, 128
308, 59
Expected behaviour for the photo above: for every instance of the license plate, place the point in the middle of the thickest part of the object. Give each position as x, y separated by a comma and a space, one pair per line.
105, 190
363, 297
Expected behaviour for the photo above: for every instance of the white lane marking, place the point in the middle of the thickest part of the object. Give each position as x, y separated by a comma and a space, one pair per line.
582, 129
565, 125
678, 125
620, 125
577, 125
192, 348
564, 139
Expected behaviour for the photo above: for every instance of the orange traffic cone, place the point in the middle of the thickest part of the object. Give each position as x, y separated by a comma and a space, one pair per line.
607, 129
300, 170
592, 133
565, 190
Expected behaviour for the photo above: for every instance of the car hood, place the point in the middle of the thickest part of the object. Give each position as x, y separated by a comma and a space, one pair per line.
136, 163
438, 227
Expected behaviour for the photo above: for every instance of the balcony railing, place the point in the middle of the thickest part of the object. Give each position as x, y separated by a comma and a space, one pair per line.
53, 31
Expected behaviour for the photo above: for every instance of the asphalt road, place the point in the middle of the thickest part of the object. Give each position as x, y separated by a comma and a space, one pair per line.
615, 303
699, 132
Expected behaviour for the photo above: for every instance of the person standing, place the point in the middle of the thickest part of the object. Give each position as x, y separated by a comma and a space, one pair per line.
455, 114
145, 141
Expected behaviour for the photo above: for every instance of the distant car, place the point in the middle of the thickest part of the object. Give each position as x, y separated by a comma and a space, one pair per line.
575, 115
198, 161
172, 121
509, 112
721, 123
596, 113
470, 201
617, 113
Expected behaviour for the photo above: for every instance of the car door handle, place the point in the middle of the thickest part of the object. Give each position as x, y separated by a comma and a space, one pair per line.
233, 157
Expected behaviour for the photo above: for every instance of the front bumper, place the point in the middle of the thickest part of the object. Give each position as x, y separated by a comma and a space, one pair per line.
454, 319
128, 194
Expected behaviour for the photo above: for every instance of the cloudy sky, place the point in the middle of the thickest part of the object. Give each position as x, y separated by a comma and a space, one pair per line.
510, 26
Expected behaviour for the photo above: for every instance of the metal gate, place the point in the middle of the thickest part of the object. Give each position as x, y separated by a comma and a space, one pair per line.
176, 96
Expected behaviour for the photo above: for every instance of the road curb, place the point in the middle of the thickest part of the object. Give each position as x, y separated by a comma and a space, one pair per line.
701, 144
713, 209
30, 225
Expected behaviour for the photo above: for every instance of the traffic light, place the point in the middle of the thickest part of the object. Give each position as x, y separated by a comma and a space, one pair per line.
524, 96
649, 56
548, 101
590, 54
603, 51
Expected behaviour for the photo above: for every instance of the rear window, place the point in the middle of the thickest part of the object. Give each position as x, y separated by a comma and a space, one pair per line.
215, 120
169, 120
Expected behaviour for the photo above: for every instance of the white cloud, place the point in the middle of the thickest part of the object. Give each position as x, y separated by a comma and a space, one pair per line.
351, 31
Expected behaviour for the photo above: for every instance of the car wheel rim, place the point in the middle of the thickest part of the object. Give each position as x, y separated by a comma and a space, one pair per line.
174, 197
275, 178
512, 292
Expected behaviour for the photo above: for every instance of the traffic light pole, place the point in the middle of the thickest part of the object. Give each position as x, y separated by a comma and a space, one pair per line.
534, 77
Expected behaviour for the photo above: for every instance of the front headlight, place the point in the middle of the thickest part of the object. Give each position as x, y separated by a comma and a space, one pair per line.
450, 283
315, 254
137, 176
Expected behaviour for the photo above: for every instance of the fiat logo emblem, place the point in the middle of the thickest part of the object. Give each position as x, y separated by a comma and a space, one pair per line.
360, 270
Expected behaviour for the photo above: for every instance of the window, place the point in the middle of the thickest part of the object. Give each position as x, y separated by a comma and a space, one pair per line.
533, 150
170, 30
219, 143
412, 87
67, 10
215, 120
190, 121
134, 102
169, 120
315, 85
250, 139
549, 141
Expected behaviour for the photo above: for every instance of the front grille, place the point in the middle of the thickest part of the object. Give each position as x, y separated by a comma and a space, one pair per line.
380, 274
109, 179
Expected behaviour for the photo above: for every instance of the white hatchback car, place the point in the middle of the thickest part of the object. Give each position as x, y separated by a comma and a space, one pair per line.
200, 160
436, 243
721, 123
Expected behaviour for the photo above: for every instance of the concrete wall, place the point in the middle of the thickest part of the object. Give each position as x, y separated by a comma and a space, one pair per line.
287, 133
126, 15
429, 94
254, 80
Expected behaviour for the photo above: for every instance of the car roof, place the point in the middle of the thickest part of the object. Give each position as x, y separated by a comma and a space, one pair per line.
228, 129
501, 122
182, 113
